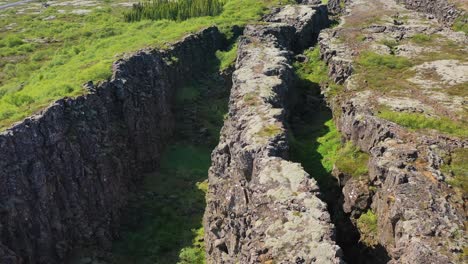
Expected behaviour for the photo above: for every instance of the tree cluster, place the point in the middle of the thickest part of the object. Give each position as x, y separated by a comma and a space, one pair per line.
173, 9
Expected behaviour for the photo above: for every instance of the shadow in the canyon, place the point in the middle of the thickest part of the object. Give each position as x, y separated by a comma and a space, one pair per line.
310, 138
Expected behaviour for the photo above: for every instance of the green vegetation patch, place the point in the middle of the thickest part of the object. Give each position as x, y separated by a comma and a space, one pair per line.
329, 146
351, 160
457, 167
383, 72
313, 69
461, 24
174, 10
374, 60
419, 121
423, 38
52, 58
367, 225
227, 58
165, 225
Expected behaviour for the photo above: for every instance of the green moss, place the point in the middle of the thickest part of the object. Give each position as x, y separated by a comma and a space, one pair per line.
457, 168
367, 225
461, 24
227, 58
418, 121
352, 161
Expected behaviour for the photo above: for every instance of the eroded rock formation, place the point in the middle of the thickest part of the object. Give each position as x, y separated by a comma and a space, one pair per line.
262, 208
66, 172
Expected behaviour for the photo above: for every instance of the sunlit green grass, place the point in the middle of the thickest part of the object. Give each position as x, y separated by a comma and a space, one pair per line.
82, 48
418, 121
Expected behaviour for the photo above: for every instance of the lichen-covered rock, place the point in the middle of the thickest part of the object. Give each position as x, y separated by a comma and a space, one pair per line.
418, 220
262, 208
443, 10
66, 172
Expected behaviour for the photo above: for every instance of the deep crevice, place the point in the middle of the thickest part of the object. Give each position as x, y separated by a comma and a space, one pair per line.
307, 118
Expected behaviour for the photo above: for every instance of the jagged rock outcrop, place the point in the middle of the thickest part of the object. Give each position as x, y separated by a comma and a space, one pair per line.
262, 208
418, 219
66, 172
443, 10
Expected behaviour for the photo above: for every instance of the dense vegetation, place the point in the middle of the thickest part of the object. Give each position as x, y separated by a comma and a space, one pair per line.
49, 55
173, 10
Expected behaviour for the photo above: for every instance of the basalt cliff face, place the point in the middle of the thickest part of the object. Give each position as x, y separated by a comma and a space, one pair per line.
420, 217
66, 172
262, 208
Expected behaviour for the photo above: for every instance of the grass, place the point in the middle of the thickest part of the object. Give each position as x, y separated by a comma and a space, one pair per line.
416, 121
367, 225
457, 168
165, 226
374, 60
50, 59
351, 160
423, 38
227, 58
329, 147
461, 24
383, 72
314, 69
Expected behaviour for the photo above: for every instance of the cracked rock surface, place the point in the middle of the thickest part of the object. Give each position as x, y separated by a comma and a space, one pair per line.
262, 208
420, 216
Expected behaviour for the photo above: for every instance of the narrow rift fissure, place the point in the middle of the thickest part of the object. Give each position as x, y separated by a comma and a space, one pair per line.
163, 220
164, 225
314, 141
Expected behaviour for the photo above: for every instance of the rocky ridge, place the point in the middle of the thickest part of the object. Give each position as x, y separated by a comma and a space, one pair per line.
66, 172
262, 208
420, 218
443, 10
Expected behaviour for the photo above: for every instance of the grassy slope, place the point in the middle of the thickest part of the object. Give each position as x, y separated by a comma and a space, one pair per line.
82, 48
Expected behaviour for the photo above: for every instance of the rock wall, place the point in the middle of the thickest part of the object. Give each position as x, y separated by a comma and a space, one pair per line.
262, 208
443, 10
417, 215
66, 172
